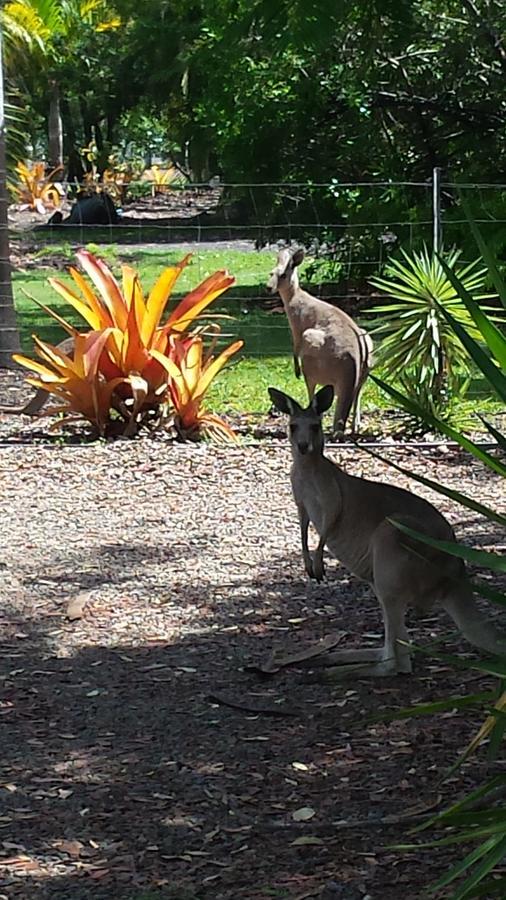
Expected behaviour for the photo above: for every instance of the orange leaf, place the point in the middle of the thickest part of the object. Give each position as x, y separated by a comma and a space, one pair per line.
107, 286
90, 298
194, 302
132, 290
44, 371
158, 297
214, 366
89, 315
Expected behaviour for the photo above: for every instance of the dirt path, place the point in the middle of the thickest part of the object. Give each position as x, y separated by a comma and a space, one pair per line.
124, 774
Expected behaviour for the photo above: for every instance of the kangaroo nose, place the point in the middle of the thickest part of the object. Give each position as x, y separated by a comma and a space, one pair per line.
303, 448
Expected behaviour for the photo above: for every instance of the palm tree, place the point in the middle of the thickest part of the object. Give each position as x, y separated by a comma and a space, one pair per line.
38, 30
9, 335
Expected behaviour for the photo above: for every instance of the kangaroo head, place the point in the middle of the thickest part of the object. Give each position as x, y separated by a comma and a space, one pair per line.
285, 269
304, 426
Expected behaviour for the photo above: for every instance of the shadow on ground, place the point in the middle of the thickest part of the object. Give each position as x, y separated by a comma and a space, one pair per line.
126, 773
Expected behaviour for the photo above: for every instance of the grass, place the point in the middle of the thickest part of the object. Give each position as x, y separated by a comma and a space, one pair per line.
267, 357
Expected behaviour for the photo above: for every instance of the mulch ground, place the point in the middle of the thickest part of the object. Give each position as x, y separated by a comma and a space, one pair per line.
142, 756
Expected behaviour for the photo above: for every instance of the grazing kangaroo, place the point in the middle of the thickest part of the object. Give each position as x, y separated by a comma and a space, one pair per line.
330, 345
351, 516
34, 406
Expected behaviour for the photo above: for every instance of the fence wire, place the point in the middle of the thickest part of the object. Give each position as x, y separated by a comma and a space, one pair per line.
350, 231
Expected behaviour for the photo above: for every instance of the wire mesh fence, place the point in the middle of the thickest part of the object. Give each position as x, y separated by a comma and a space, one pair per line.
349, 230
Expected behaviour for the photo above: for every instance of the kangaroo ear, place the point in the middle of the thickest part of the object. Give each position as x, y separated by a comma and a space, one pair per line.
283, 402
298, 256
322, 400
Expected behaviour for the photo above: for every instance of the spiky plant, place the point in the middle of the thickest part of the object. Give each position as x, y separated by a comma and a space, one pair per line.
417, 345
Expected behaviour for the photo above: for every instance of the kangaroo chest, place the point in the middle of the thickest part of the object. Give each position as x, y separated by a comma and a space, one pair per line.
322, 498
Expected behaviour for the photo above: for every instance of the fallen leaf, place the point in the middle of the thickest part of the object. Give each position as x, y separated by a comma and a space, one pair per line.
303, 814
76, 606
306, 841
73, 848
99, 873
278, 661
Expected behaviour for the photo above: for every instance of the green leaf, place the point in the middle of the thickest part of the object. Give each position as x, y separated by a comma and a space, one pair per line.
496, 887
493, 857
478, 557
477, 794
494, 339
416, 410
465, 863
487, 254
425, 709
481, 588
447, 492
500, 438
491, 372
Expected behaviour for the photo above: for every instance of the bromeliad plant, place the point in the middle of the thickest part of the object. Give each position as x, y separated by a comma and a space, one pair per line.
191, 370
36, 190
418, 347
136, 361
160, 179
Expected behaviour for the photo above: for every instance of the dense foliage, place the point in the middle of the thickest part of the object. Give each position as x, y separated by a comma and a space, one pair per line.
262, 92
477, 820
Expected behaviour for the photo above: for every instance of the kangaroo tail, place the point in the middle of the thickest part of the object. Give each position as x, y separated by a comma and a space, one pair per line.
474, 625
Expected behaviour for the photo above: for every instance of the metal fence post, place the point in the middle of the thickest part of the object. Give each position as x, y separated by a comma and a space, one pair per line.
436, 210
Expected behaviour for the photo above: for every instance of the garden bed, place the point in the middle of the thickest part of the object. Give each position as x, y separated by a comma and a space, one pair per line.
142, 758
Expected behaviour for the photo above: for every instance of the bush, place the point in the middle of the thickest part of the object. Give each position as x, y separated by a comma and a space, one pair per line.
419, 347
132, 368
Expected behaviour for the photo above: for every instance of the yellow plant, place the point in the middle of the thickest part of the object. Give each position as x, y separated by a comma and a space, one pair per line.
127, 367
117, 177
36, 190
160, 179
191, 372
75, 380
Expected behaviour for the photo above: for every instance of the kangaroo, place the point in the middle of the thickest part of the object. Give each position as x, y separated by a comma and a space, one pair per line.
34, 406
353, 519
329, 344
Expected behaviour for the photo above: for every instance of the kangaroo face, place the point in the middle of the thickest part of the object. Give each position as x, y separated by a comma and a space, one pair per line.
281, 272
284, 269
304, 426
305, 433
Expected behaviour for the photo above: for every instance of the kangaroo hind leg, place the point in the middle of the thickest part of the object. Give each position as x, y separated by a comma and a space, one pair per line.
392, 658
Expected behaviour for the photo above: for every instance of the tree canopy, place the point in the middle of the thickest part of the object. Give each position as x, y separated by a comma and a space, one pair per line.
255, 91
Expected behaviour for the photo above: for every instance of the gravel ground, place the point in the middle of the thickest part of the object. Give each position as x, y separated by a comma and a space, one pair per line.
142, 758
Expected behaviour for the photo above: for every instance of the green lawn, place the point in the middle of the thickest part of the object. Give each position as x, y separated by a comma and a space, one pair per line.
266, 358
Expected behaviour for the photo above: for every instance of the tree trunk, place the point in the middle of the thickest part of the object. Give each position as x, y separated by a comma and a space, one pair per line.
55, 128
9, 335
75, 169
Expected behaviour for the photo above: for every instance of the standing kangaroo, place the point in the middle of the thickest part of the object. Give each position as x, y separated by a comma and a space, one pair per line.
34, 406
330, 345
352, 517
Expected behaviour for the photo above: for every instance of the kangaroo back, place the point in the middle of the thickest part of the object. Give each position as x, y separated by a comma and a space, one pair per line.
331, 347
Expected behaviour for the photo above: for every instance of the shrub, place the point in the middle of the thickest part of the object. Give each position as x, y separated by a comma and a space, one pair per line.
419, 348
132, 366
478, 818
36, 190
